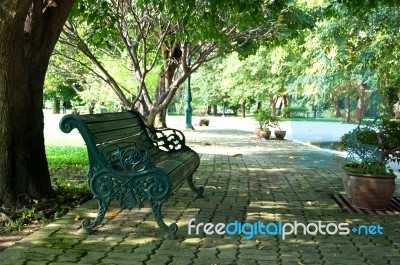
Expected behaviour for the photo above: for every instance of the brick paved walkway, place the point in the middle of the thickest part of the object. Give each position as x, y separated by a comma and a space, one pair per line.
246, 180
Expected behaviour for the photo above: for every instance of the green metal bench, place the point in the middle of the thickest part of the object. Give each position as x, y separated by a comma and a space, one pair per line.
132, 163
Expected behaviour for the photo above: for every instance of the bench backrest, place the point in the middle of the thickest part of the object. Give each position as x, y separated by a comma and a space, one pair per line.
120, 126
107, 127
100, 130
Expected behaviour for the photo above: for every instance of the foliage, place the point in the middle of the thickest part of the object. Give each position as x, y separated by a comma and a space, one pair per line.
291, 111
347, 49
164, 38
317, 60
57, 89
260, 77
262, 117
373, 144
367, 168
265, 119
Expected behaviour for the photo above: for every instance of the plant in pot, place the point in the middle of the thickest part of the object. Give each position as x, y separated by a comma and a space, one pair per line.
202, 120
279, 133
369, 182
263, 118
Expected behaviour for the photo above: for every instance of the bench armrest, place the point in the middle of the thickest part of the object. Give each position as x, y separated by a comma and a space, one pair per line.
126, 156
167, 139
129, 175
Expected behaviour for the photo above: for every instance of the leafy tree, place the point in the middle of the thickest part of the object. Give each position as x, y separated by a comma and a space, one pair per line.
28, 32
173, 38
206, 85
371, 36
75, 71
342, 62
260, 77
59, 86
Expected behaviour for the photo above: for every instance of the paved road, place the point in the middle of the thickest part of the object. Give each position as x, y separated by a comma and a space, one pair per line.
246, 180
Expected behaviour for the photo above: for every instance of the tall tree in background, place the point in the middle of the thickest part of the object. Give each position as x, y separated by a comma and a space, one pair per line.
29, 29
172, 37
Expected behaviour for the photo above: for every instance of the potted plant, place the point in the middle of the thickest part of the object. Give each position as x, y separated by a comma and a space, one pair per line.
263, 118
279, 133
369, 182
202, 120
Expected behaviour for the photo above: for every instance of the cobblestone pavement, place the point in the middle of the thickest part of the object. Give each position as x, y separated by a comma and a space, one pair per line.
246, 180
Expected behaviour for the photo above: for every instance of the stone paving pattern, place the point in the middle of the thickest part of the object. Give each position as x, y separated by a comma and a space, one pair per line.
245, 180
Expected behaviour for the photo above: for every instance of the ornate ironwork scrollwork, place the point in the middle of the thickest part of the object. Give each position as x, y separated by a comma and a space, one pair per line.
153, 186
131, 190
131, 156
168, 139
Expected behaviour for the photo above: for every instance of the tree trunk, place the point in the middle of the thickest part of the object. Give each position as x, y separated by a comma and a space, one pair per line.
56, 105
259, 106
161, 119
360, 103
28, 33
215, 109
285, 100
208, 109
141, 106
389, 109
347, 112
166, 88
243, 109
235, 110
279, 109
337, 109
272, 102
91, 106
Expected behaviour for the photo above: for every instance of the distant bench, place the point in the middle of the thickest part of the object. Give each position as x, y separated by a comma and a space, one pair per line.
132, 163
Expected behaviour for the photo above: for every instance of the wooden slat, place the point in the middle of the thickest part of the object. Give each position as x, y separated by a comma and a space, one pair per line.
395, 202
113, 125
346, 206
122, 134
370, 212
96, 118
170, 161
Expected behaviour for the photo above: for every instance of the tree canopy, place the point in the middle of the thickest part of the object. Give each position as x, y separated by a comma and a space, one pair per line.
172, 39
347, 63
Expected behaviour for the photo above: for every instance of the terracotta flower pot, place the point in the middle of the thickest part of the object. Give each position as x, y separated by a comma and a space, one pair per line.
349, 168
280, 135
346, 185
202, 122
371, 191
260, 133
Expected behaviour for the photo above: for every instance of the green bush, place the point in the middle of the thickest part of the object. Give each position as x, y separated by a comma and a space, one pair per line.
293, 111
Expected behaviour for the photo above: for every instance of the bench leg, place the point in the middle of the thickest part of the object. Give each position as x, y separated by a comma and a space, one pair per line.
199, 191
89, 224
171, 229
